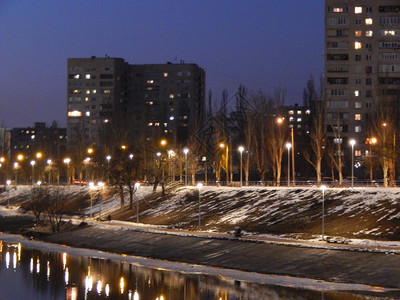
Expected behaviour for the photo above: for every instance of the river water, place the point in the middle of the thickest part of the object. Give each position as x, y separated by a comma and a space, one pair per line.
36, 274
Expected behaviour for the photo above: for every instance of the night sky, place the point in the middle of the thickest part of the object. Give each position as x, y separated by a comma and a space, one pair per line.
258, 43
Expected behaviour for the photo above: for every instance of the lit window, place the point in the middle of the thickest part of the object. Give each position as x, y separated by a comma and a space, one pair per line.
106, 121
76, 76
369, 33
87, 114
357, 129
165, 74
150, 81
171, 96
87, 76
358, 33
150, 124
94, 91
299, 112
291, 119
165, 124
357, 117
357, 93
357, 45
308, 112
357, 105
338, 140
358, 10
86, 98
87, 92
357, 153
368, 21
156, 124
171, 118
298, 119
32, 137
74, 113
291, 112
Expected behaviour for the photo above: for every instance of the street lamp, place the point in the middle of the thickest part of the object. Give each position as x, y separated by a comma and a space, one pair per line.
33, 169
241, 148
323, 188
186, 151
91, 187
199, 186
8, 182
101, 185
222, 145
352, 143
137, 185
67, 161
288, 146
49, 161
16, 166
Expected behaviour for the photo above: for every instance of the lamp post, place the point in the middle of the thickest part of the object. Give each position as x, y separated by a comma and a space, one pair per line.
323, 188
137, 185
8, 182
16, 166
101, 185
49, 161
241, 148
91, 187
199, 186
186, 151
222, 145
288, 146
67, 161
33, 170
352, 143
371, 141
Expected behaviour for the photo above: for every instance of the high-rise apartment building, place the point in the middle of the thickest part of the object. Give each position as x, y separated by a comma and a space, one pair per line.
154, 100
362, 64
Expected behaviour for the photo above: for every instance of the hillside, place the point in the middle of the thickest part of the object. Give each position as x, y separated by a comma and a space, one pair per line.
371, 213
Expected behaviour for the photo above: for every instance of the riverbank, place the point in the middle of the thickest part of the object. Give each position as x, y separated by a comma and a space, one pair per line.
375, 269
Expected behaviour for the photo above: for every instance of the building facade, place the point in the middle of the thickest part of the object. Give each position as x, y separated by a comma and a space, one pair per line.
137, 102
362, 65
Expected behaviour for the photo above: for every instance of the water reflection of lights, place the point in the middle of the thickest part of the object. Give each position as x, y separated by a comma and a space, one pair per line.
136, 296
37, 265
107, 290
121, 285
64, 259
88, 284
15, 260
99, 287
48, 270
161, 298
7, 259
31, 265
66, 276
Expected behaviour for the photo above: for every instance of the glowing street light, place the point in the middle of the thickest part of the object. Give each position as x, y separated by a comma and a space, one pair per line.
323, 188
67, 161
33, 169
288, 146
186, 151
352, 143
241, 149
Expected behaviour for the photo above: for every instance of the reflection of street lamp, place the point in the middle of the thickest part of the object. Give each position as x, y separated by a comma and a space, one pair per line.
186, 151
33, 169
241, 148
199, 186
67, 161
288, 146
323, 188
352, 143
137, 185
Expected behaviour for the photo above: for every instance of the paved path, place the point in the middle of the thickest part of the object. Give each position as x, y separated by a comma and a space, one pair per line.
259, 255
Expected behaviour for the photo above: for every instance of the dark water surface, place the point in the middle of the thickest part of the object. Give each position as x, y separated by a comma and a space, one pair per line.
34, 274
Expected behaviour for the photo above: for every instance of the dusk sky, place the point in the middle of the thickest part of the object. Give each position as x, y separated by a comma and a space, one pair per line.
260, 44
